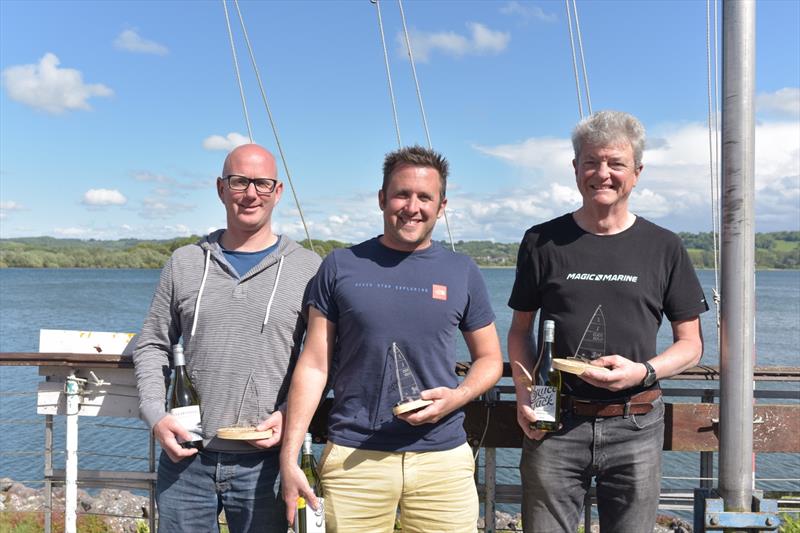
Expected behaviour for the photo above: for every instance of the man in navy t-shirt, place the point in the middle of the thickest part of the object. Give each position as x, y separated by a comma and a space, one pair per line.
384, 317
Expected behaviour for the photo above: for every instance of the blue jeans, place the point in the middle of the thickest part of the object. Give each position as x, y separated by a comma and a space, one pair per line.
191, 493
623, 454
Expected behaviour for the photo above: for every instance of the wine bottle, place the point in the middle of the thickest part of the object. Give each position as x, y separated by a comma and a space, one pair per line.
301, 526
184, 403
310, 520
546, 392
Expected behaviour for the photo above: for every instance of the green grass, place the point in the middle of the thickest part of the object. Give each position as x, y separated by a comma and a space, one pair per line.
33, 522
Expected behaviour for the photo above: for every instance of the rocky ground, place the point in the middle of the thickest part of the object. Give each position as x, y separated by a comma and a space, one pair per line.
122, 510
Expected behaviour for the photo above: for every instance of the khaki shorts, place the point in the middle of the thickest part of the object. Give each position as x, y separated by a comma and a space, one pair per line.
435, 491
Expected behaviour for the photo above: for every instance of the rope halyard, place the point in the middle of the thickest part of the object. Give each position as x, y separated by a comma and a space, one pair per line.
574, 60
266, 106
236, 68
388, 72
421, 106
713, 149
583, 59
272, 124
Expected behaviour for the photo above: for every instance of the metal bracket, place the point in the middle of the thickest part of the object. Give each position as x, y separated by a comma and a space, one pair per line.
74, 385
710, 514
491, 396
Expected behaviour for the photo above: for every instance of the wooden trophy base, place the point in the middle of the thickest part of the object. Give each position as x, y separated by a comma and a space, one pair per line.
575, 366
243, 433
413, 405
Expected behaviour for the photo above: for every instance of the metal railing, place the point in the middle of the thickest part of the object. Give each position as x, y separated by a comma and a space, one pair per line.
501, 431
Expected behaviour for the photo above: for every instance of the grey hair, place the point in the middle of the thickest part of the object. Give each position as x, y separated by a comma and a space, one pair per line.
606, 128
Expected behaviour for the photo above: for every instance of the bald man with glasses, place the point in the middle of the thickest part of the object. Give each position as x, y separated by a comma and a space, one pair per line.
235, 301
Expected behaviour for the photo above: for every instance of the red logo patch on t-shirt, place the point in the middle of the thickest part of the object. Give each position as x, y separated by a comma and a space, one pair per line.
439, 292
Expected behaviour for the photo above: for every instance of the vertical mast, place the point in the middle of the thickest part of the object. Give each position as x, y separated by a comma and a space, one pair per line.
737, 340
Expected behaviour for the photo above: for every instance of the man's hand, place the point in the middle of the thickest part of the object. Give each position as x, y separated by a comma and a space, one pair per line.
623, 374
168, 430
445, 400
526, 417
294, 484
275, 423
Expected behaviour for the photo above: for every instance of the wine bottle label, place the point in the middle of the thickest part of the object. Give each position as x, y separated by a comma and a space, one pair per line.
543, 403
189, 417
315, 519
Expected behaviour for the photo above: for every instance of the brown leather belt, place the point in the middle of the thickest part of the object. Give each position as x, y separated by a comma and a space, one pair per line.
638, 404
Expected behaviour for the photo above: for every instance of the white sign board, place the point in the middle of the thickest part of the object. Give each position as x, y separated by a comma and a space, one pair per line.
106, 391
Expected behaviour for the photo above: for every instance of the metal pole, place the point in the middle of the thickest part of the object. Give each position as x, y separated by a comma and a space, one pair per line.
48, 473
737, 340
71, 482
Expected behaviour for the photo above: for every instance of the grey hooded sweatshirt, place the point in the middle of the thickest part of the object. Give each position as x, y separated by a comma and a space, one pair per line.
241, 335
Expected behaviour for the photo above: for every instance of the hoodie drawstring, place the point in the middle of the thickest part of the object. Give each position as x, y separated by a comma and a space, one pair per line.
272, 296
200, 294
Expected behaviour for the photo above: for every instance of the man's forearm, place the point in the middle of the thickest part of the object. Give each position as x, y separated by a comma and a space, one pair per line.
482, 375
305, 393
520, 351
684, 353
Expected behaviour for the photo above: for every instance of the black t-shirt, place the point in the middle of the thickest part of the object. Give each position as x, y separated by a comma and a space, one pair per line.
636, 276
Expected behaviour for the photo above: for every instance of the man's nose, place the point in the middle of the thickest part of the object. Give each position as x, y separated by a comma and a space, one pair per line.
251, 191
604, 170
412, 204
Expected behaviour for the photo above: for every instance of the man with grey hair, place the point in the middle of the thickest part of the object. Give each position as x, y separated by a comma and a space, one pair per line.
602, 261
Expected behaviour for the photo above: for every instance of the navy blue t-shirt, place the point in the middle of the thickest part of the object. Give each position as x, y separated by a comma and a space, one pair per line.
419, 300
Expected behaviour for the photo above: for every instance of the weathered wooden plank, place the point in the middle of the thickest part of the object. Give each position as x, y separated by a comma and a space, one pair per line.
70, 360
688, 426
693, 428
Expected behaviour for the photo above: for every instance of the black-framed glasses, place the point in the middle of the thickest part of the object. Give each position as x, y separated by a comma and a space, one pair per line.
241, 183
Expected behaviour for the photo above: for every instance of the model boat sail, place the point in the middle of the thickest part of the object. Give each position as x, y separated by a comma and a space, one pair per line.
407, 384
243, 430
593, 342
592, 346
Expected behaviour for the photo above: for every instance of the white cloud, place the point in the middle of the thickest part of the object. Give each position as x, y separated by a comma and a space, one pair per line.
71, 232
7, 206
481, 41
10, 205
47, 87
782, 103
227, 143
674, 189
131, 41
527, 12
151, 177
103, 197
159, 206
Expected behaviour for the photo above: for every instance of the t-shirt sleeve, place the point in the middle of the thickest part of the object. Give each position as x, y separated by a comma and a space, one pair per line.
524, 294
323, 287
684, 298
478, 312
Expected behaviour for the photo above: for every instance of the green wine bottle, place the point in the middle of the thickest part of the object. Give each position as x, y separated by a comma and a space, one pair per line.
184, 402
546, 392
311, 520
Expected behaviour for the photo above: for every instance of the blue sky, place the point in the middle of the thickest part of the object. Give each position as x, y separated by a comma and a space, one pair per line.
115, 116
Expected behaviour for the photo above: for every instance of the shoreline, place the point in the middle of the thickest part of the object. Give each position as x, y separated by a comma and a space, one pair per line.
124, 512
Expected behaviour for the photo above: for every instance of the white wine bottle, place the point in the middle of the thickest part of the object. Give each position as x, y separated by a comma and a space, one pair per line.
184, 403
546, 392
310, 520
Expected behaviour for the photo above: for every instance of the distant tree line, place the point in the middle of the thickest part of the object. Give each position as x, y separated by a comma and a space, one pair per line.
777, 250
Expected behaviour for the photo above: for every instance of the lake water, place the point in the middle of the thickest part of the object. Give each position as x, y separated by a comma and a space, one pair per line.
117, 300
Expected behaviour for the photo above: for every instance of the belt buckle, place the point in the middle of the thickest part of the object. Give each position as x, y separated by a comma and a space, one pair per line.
626, 411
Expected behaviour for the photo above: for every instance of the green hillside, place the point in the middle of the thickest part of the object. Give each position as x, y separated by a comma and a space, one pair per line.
777, 250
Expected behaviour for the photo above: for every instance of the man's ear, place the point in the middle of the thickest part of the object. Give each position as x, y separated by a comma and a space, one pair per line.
220, 186
381, 199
